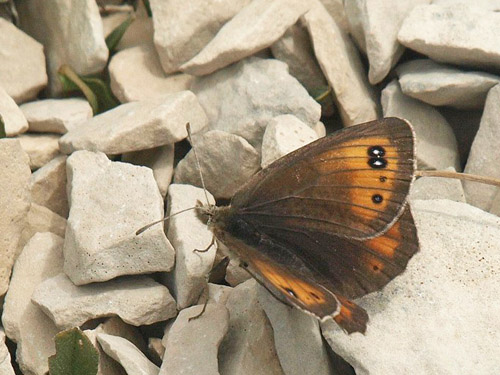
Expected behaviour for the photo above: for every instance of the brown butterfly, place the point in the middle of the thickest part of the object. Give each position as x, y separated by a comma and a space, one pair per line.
329, 222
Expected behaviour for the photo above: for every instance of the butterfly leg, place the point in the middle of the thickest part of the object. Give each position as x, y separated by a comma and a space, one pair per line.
207, 248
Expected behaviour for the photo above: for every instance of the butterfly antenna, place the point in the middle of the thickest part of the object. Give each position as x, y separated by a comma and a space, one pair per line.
459, 176
188, 128
146, 227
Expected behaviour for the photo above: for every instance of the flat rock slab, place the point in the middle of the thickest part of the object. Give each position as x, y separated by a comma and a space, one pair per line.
227, 161
460, 34
191, 346
137, 300
439, 84
109, 202
56, 115
22, 71
255, 27
436, 142
187, 233
127, 354
136, 74
440, 315
242, 98
12, 117
48, 23
41, 148
180, 32
14, 204
138, 125
345, 73
24, 322
484, 154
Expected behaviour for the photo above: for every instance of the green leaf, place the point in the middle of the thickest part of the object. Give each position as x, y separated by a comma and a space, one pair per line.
116, 35
67, 74
105, 98
75, 354
3, 134
321, 93
148, 8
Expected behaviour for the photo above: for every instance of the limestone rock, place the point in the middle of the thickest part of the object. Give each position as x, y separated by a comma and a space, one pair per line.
41, 148
159, 121
41, 219
109, 202
226, 161
13, 118
438, 188
5, 364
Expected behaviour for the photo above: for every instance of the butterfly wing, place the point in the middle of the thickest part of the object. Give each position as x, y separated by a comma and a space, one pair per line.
352, 184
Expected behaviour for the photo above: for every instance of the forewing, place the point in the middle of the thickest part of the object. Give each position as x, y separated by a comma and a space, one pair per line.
352, 184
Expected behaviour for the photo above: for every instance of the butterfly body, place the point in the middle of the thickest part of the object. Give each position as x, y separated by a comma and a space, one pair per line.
329, 222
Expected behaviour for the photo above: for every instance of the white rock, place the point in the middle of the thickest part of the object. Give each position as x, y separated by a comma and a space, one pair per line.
248, 347
336, 10
242, 98
235, 274
127, 354
13, 118
255, 27
380, 23
295, 329
48, 186
109, 202
284, 134
438, 188
484, 154
486, 4
41, 219
106, 365
158, 121
79, 43
159, 159
136, 74
56, 115
320, 129
217, 293
14, 205
41, 148
295, 49
22, 72
24, 322
156, 350
495, 205
459, 34
191, 346
180, 31
436, 143
137, 300
187, 233
227, 161
428, 319
5, 364
438, 84
345, 73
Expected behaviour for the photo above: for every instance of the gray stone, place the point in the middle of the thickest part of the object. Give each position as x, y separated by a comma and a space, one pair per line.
191, 346
345, 73
495, 205
486, 4
48, 186
242, 98
483, 154
284, 134
459, 34
439, 316
41, 148
136, 74
14, 205
137, 300
22, 72
138, 125
182, 31
336, 10
48, 23
438, 188
248, 347
106, 365
295, 329
41, 219
187, 233
159, 159
436, 143
109, 202
439, 85
12, 117
24, 322
56, 115
227, 161
5, 364
127, 354
257, 26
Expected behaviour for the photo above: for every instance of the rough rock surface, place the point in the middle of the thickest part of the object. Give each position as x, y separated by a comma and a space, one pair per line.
12, 117
41, 148
41, 219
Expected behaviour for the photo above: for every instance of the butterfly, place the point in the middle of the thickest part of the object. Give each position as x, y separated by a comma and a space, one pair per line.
329, 222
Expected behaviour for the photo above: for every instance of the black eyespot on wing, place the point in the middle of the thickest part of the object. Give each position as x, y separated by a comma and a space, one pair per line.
377, 198
377, 163
376, 151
